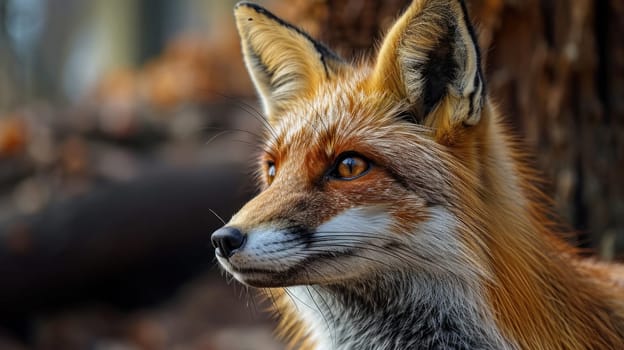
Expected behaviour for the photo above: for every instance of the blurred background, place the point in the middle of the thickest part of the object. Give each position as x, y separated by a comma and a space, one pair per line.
128, 128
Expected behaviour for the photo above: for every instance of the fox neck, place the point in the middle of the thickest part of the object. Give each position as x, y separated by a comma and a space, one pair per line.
411, 310
539, 292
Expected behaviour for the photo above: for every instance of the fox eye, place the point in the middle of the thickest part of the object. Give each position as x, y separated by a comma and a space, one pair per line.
350, 167
270, 172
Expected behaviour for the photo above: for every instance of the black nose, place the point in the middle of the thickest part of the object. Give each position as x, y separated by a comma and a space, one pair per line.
226, 240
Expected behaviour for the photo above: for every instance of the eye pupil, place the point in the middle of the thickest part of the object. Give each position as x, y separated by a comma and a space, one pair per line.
350, 167
350, 163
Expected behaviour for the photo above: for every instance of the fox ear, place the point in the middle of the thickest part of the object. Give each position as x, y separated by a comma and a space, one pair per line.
284, 62
430, 58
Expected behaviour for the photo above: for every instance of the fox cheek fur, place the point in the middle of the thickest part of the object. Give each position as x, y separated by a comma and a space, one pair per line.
397, 211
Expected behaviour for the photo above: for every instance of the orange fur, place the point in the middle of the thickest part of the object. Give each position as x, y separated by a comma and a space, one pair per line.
539, 292
542, 295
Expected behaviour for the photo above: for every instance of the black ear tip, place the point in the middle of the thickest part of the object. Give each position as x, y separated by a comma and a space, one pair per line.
242, 4
250, 5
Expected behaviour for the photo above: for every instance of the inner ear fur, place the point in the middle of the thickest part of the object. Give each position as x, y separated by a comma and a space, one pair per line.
431, 59
284, 62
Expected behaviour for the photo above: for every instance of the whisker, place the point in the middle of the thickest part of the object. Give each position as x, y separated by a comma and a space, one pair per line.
329, 327
252, 298
273, 301
351, 254
251, 110
352, 242
292, 299
217, 135
368, 246
257, 136
259, 116
217, 215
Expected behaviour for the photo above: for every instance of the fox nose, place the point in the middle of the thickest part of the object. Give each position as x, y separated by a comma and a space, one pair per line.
227, 240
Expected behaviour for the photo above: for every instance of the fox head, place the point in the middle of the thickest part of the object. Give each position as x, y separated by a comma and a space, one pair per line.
367, 168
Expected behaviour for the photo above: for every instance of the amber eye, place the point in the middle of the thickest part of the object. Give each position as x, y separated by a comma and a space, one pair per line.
349, 167
270, 172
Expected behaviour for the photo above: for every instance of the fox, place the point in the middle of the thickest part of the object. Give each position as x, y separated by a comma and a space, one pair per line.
396, 209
